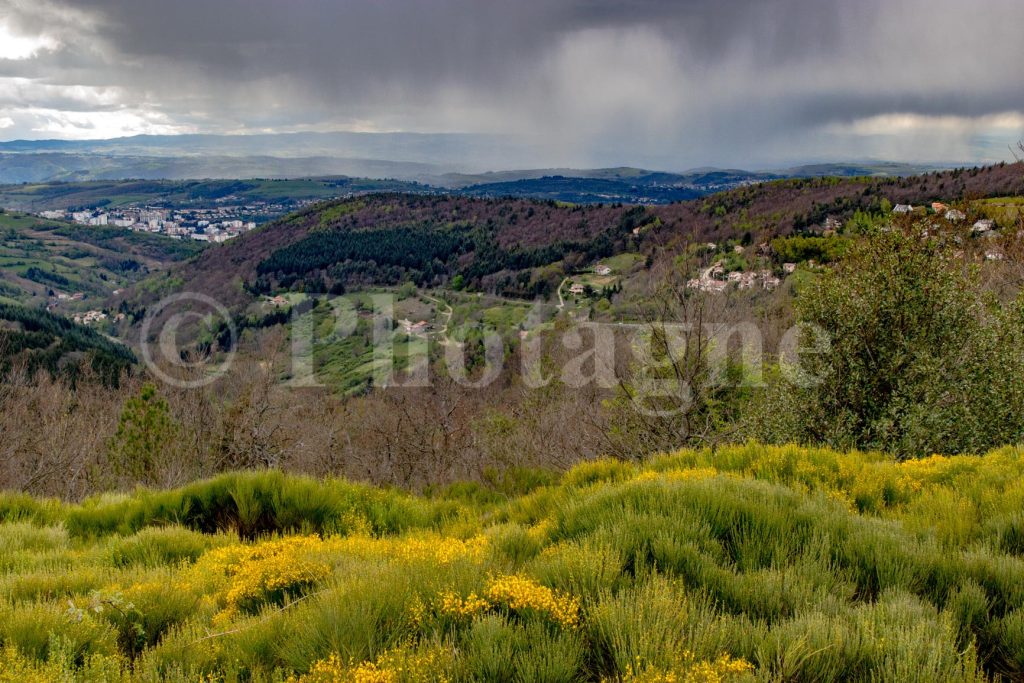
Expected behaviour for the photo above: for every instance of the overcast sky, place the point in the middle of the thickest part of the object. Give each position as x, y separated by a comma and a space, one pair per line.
589, 82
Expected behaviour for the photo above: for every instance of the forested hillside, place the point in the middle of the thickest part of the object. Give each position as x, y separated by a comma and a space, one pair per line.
32, 339
523, 248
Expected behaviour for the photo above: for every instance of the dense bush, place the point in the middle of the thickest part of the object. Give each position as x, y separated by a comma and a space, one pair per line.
800, 248
918, 359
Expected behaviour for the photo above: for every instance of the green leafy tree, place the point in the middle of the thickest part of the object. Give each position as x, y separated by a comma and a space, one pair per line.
145, 432
921, 360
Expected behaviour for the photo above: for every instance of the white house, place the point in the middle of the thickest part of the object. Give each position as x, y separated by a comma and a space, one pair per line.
983, 225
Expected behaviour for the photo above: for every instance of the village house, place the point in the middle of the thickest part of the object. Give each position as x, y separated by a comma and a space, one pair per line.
955, 216
409, 327
716, 286
768, 280
90, 317
984, 225
278, 301
602, 269
939, 207
414, 328
903, 208
576, 289
789, 268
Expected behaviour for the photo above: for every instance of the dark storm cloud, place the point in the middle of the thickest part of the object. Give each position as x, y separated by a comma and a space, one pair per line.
670, 84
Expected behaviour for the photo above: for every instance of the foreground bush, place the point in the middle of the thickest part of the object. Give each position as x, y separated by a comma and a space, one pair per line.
920, 356
747, 563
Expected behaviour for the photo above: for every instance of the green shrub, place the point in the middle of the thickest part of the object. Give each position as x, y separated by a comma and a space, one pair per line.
35, 629
155, 546
652, 622
579, 568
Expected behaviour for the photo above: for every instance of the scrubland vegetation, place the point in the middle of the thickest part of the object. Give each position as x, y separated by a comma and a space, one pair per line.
745, 563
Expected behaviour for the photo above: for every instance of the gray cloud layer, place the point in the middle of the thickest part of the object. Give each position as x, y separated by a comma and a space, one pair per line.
586, 82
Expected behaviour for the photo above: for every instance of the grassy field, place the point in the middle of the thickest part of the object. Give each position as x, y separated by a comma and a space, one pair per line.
344, 356
749, 563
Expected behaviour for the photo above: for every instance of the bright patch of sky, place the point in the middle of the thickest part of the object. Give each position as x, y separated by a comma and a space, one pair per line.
14, 46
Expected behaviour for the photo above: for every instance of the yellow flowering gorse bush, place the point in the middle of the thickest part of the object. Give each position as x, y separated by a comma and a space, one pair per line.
452, 605
519, 593
688, 669
399, 665
264, 572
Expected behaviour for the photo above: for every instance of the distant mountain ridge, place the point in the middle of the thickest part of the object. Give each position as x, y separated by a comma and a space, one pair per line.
445, 160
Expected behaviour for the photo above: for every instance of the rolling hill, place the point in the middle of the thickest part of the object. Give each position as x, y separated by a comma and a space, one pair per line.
185, 194
492, 243
43, 259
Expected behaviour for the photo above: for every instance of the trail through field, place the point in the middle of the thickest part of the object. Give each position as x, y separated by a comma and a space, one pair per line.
445, 340
561, 301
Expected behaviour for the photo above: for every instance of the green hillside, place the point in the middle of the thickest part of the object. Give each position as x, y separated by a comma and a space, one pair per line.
40, 259
525, 248
748, 563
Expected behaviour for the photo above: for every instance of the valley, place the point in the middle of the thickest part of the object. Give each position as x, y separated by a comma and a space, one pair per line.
464, 416
55, 264
560, 341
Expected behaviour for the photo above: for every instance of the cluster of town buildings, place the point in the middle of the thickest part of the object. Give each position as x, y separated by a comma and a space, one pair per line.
210, 225
218, 222
984, 227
